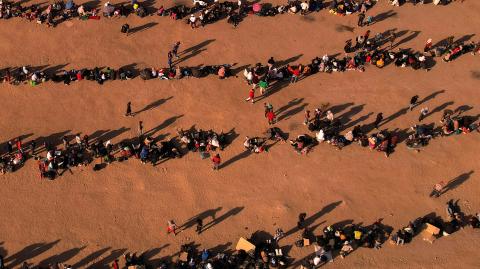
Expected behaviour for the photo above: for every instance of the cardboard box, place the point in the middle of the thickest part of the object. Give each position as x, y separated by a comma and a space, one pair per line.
244, 244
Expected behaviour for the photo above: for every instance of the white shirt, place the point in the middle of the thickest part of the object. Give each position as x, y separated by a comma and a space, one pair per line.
304, 6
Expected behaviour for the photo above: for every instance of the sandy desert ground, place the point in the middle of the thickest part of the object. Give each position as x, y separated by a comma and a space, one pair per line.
89, 218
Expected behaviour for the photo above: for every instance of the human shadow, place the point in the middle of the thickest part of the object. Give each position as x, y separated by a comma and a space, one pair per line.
235, 71
383, 16
347, 116
408, 38
104, 263
289, 60
52, 70
90, 258
454, 183
463, 109
292, 112
105, 135
148, 256
132, 68
475, 74
238, 157
141, 28
94, 4
464, 39
62, 257
193, 51
290, 104
154, 105
339, 108
50, 142
394, 116
205, 214
162, 125
28, 253
310, 220
232, 212
429, 97
357, 121
439, 108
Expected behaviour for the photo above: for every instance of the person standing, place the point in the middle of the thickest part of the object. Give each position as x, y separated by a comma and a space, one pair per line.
199, 225
125, 29
378, 120
307, 117
437, 189
170, 59
413, 102
172, 227
392, 39
176, 46
216, 161
271, 117
361, 17
423, 113
129, 110
140, 128
115, 264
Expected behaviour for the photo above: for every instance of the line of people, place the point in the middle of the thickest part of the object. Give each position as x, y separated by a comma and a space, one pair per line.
263, 250
200, 13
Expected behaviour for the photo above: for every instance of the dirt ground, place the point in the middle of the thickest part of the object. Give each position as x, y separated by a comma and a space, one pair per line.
89, 218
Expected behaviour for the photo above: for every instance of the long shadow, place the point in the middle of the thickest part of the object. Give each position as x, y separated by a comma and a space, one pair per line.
292, 112
163, 125
463, 39
51, 141
141, 28
106, 135
410, 37
339, 108
383, 16
310, 220
289, 60
90, 258
276, 87
154, 104
439, 108
192, 221
132, 68
94, 4
454, 183
357, 121
22, 138
347, 116
430, 97
105, 262
463, 109
394, 116
62, 257
193, 51
28, 253
235, 71
232, 212
443, 42
238, 157
290, 104
148, 256
52, 70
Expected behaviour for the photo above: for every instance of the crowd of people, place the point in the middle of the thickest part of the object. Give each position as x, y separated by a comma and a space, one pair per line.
199, 14
265, 250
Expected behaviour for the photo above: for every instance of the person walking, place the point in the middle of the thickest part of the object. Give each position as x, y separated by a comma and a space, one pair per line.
251, 96
423, 113
413, 102
129, 110
216, 161
199, 225
378, 120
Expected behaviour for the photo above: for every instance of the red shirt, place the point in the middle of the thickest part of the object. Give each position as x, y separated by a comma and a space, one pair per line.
216, 160
251, 94
270, 115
